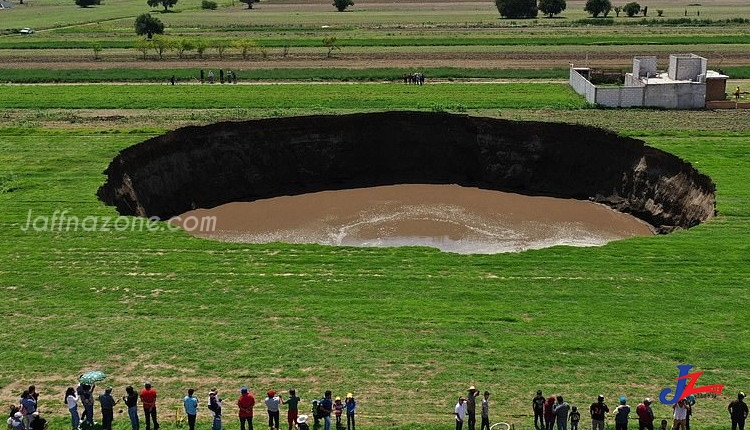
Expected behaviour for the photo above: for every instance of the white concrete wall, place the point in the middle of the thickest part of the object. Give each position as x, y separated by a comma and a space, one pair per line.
619, 96
582, 85
686, 67
644, 66
675, 96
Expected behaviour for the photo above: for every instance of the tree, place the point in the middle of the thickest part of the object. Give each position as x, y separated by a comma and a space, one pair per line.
245, 46
142, 46
97, 47
341, 5
551, 7
330, 43
598, 7
200, 47
632, 9
183, 45
161, 44
86, 3
517, 9
165, 3
617, 10
148, 25
220, 45
249, 3
209, 4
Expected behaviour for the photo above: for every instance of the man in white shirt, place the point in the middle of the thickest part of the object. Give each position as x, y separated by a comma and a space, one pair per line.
460, 412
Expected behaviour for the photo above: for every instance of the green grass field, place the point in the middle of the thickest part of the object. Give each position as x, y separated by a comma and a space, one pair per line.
385, 323
405, 329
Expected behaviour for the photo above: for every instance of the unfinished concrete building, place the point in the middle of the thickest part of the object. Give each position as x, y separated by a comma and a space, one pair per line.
687, 84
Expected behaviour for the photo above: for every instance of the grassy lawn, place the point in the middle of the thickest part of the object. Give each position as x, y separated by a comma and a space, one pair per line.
405, 329
384, 323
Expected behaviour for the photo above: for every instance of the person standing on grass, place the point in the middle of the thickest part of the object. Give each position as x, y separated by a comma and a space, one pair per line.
549, 412
272, 407
28, 407
107, 403
326, 406
575, 417
471, 406
561, 410
537, 405
131, 401
293, 408
622, 411
87, 398
190, 403
690, 400
485, 412
71, 400
738, 411
645, 415
351, 407
680, 415
245, 403
460, 412
148, 400
214, 405
598, 411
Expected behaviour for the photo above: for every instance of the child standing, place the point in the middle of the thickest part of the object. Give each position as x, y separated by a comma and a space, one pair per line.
575, 416
338, 408
315, 413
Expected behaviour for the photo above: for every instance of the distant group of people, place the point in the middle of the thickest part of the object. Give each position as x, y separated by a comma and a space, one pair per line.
554, 409
321, 408
465, 410
231, 77
413, 78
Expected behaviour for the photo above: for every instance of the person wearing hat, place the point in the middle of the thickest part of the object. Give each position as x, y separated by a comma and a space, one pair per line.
460, 411
680, 414
107, 403
598, 410
148, 400
272, 406
351, 407
738, 411
293, 408
190, 403
622, 412
537, 405
245, 403
302, 423
338, 410
38, 423
645, 415
471, 406
15, 422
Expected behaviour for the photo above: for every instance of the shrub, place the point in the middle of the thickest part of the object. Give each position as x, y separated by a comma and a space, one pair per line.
209, 4
632, 9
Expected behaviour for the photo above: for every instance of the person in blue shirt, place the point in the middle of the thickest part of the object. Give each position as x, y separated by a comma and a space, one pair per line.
191, 408
351, 406
621, 414
326, 405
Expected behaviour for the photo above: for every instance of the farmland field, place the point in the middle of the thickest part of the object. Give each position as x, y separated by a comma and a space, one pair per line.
406, 330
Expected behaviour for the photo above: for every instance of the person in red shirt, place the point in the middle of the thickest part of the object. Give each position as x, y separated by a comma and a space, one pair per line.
245, 404
645, 415
148, 399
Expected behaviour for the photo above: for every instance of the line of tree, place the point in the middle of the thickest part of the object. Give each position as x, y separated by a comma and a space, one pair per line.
164, 3
522, 9
161, 44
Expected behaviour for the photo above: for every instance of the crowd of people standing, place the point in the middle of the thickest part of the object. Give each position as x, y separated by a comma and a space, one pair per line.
321, 409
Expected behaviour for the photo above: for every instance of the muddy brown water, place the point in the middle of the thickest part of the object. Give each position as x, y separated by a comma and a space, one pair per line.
448, 217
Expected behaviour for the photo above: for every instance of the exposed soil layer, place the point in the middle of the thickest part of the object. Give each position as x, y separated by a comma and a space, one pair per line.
203, 167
